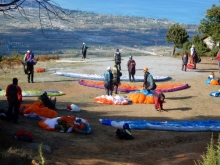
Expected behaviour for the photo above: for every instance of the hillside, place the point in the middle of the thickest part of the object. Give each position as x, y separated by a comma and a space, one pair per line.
66, 36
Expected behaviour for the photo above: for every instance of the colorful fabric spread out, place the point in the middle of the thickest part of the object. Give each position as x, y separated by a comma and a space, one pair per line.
101, 77
66, 124
115, 100
36, 93
212, 81
215, 93
37, 111
184, 126
141, 97
129, 88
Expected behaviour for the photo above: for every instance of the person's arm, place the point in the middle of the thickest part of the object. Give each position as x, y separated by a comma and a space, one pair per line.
19, 94
128, 63
7, 90
145, 79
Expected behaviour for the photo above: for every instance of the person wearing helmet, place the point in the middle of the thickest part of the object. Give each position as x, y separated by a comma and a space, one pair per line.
149, 83
84, 50
108, 76
24, 61
124, 133
30, 67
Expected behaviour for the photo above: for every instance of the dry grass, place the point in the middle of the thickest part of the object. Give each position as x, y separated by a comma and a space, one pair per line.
149, 146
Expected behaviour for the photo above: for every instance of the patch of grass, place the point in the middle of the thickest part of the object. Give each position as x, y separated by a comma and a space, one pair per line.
212, 155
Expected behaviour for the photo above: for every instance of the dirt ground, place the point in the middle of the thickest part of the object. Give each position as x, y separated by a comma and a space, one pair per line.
149, 147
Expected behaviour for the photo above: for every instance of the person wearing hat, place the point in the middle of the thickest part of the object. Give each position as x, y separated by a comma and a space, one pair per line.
84, 50
149, 83
14, 98
108, 76
131, 69
117, 57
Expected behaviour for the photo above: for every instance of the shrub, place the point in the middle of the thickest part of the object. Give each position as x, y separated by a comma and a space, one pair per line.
212, 155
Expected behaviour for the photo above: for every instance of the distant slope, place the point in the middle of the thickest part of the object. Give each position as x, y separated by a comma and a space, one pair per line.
19, 34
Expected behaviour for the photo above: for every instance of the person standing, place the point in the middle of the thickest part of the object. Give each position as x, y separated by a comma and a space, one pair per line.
158, 100
218, 58
14, 98
117, 57
194, 57
116, 78
24, 61
131, 69
184, 60
192, 49
84, 50
108, 76
149, 83
30, 67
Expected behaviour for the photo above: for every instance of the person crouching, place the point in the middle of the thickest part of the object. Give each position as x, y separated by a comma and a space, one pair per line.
159, 98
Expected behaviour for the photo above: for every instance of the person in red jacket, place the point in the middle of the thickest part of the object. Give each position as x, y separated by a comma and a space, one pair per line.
14, 97
158, 100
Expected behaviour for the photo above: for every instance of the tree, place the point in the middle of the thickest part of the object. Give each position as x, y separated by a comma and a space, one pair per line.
177, 35
210, 25
45, 8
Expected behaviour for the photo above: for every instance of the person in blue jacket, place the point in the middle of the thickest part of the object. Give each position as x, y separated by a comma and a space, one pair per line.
149, 83
108, 84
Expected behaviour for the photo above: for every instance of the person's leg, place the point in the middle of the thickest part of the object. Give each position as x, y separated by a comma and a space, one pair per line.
219, 66
129, 75
116, 89
133, 78
15, 112
107, 91
32, 76
185, 67
28, 77
9, 112
119, 66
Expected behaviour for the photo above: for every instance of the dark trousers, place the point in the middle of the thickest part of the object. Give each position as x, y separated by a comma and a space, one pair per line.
118, 65
108, 91
131, 76
84, 55
30, 75
13, 111
184, 67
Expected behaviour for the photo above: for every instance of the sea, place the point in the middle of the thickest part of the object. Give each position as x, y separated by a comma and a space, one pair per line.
179, 11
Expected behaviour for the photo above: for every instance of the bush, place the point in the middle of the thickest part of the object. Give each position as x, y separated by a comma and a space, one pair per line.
212, 155
214, 52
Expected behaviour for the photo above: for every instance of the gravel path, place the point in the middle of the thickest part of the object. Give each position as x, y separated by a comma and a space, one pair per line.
157, 65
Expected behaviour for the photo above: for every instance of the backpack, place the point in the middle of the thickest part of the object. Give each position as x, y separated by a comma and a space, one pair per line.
132, 67
106, 79
122, 134
118, 58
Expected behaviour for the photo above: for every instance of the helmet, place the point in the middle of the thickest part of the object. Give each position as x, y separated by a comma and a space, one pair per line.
83, 43
109, 68
126, 126
130, 57
28, 51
